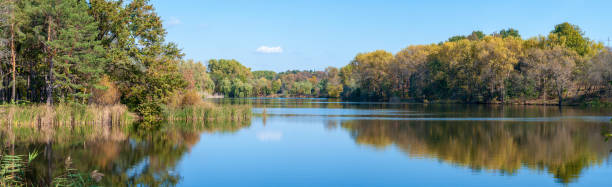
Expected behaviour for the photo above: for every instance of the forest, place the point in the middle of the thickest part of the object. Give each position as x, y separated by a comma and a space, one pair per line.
501, 67
109, 52
88, 52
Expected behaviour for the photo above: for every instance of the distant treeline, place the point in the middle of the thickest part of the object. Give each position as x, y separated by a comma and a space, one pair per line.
477, 68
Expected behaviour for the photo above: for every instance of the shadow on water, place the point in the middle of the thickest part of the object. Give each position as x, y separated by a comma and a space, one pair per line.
123, 155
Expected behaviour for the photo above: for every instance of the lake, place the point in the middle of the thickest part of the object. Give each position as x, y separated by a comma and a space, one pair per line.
322, 142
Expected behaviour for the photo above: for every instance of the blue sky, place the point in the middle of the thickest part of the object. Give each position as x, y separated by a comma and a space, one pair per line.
313, 34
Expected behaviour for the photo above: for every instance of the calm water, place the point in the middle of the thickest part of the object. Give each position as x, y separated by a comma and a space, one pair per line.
316, 142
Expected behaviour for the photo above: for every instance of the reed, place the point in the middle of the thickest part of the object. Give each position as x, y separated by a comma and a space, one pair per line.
64, 115
208, 112
14, 168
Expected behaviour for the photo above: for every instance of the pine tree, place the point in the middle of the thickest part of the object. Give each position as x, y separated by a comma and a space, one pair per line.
74, 56
16, 19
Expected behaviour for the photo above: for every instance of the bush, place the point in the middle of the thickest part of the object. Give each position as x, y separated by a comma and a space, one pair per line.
108, 94
191, 98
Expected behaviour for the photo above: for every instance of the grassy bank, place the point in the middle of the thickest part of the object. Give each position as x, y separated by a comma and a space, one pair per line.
82, 116
64, 115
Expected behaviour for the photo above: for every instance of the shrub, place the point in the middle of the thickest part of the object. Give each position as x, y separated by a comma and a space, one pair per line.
108, 94
191, 98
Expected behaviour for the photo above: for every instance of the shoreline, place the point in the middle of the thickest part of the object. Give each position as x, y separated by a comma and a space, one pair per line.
600, 102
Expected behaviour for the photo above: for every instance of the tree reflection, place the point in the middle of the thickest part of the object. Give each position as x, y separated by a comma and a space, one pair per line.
126, 157
562, 149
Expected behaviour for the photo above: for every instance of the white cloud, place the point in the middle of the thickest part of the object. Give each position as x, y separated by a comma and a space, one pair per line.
266, 49
267, 136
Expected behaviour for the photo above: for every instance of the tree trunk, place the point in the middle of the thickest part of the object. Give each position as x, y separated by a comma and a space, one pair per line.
50, 81
560, 93
543, 91
29, 86
13, 54
13, 59
503, 92
1, 84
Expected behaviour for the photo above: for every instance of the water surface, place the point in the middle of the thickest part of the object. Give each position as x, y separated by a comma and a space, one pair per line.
318, 142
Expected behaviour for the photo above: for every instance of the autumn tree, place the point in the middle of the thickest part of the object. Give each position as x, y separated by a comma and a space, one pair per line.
196, 76
552, 68
333, 86
453, 73
371, 72
600, 72
409, 69
262, 87
497, 57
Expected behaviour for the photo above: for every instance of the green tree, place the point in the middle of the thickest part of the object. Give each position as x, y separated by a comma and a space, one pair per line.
276, 86
302, 88
510, 32
456, 38
270, 75
572, 37
140, 61
476, 35
262, 87
231, 69
225, 86
74, 57
13, 20
241, 88
196, 76
228, 68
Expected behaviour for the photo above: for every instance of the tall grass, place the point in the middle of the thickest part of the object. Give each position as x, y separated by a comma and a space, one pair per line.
190, 107
64, 115
208, 112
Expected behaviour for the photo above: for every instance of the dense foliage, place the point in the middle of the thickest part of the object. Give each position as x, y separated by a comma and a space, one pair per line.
232, 79
476, 68
483, 69
59, 51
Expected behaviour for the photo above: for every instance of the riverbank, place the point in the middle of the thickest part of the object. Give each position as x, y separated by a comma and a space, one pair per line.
589, 102
65, 115
40, 115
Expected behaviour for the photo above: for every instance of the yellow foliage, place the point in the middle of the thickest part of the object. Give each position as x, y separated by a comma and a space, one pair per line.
185, 98
191, 98
109, 95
